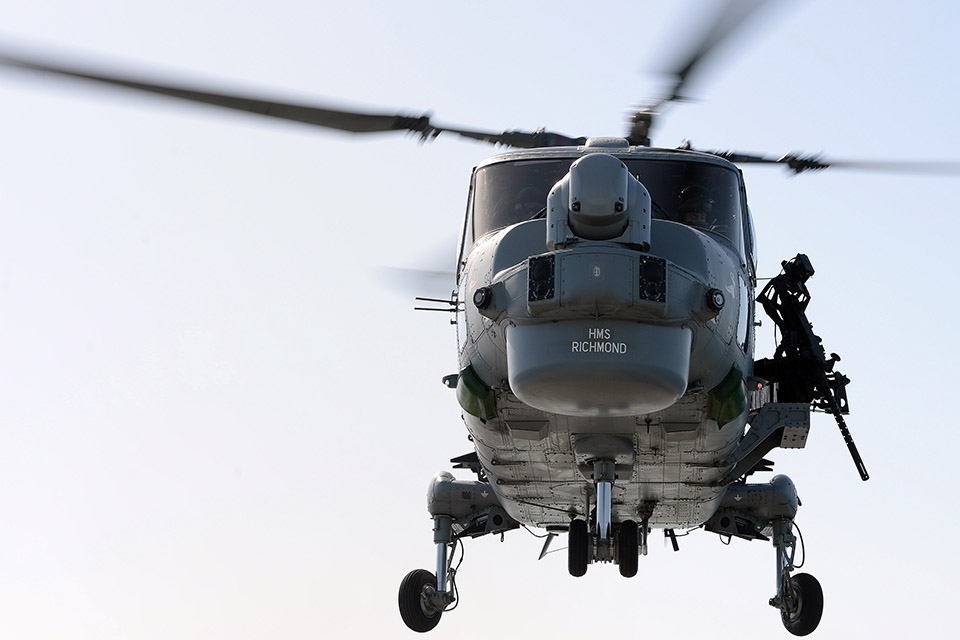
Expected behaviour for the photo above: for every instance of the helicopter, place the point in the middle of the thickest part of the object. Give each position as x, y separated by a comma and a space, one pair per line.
472, 315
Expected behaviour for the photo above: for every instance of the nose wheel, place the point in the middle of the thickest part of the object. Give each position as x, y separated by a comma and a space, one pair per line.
628, 548
621, 543
578, 548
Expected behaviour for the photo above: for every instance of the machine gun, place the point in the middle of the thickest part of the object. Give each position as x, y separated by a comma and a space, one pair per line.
800, 367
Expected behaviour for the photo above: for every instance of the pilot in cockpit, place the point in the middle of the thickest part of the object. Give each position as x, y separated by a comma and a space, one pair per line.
696, 207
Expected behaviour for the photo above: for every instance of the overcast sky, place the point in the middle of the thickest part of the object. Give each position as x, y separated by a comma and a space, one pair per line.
218, 421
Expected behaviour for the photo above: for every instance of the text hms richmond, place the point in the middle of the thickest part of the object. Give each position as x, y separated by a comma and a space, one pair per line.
598, 341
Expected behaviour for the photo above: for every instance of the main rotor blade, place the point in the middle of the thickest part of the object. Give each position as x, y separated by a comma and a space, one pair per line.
355, 122
416, 281
728, 20
351, 121
800, 163
732, 17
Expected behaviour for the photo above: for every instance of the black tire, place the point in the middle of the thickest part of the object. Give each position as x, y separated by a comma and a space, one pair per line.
578, 548
411, 607
628, 548
809, 606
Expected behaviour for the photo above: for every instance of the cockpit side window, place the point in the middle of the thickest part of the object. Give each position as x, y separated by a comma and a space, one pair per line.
466, 237
751, 239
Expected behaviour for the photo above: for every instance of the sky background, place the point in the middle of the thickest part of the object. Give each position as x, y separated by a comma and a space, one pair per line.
218, 420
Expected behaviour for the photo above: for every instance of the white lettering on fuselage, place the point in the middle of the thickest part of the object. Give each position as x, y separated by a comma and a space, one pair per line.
598, 341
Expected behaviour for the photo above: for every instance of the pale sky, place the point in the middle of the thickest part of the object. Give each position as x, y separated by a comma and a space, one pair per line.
215, 421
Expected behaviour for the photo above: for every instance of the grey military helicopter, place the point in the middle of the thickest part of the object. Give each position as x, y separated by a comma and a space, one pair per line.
606, 312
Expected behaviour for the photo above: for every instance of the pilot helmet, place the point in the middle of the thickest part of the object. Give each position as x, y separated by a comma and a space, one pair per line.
695, 205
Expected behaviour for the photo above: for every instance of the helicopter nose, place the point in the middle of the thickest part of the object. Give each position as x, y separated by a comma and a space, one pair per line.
598, 368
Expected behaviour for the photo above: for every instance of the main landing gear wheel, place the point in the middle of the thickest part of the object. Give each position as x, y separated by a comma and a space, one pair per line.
628, 549
808, 606
415, 609
578, 548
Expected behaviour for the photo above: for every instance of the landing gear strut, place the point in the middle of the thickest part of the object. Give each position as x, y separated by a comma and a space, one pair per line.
460, 509
748, 511
608, 542
799, 597
424, 596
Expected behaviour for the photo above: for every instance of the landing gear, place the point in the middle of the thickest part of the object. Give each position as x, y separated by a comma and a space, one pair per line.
807, 605
752, 512
608, 542
628, 548
578, 548
604, 475
460, 509
799, 597
424, 596
416, 607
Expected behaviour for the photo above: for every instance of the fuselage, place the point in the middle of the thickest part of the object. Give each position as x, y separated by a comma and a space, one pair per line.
626, 335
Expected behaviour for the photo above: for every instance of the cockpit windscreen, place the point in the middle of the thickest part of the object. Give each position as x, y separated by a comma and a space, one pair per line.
698, 194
